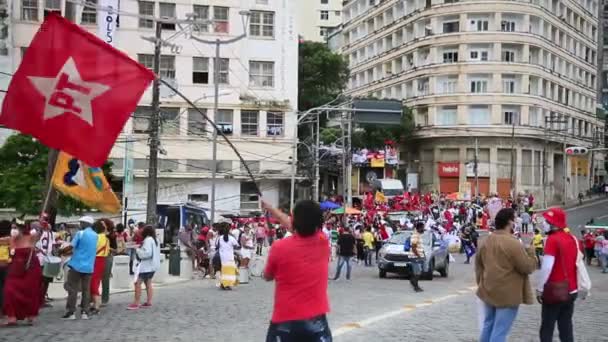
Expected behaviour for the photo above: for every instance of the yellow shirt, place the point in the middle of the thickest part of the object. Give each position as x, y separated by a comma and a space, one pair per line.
537, 241
5, 247
368, 240
103, 245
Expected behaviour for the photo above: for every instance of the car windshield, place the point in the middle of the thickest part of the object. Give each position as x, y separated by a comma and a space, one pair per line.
399, 238
392, 192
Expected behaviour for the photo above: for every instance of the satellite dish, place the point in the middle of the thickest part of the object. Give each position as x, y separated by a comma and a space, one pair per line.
165, 92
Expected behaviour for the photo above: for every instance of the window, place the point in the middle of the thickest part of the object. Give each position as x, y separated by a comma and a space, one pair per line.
249, 196
29, 10
249, 122
168, 165
167, 10
338, 13
223, 71
261, 2
141, 119
23, 51
479, 86
146, 60
509, 117
508, 56
449, 86
261, 24
261, 74
70, 11
533, 117
479, 55
202, 13
223, 120
447, 116
89, 14
275, 124
450, 57
146, 8
196, 122
508, 85
253, 165
198, 198
479, 115
324, 15
169, 121
200, 70
452, 26
167, 67
507, 26
479, 25
220, 18
324, 2
323, 32
52, 6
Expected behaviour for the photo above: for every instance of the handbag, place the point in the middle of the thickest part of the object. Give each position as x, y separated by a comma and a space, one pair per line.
557, 291
582, 276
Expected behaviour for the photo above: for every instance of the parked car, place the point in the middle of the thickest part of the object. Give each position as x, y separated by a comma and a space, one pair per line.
392, 257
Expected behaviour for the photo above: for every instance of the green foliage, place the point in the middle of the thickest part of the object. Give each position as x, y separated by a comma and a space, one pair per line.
22, 177
322, 75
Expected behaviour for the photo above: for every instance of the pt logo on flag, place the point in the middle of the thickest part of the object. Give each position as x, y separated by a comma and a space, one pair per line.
67, 93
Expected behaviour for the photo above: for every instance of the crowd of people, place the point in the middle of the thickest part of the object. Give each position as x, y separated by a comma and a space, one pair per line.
32, 256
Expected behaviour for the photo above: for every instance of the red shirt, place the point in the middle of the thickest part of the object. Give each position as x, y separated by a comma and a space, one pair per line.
564, 247
299, 266
589, 241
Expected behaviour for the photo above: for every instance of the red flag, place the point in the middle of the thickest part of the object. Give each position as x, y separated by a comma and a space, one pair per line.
73, 91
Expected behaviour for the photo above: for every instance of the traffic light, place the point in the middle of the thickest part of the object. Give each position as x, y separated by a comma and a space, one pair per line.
577, 151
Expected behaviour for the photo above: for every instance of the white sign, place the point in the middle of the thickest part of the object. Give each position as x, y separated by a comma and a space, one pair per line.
483, 169
106, 20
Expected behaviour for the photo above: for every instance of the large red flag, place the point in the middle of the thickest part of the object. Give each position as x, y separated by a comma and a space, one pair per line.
73, 91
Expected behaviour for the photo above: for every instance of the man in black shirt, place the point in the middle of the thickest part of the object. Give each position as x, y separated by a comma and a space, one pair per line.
346, 251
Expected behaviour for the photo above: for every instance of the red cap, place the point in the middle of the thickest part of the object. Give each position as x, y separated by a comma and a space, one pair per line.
556, 217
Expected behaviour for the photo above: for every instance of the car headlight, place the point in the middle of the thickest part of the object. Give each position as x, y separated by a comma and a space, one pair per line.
381, 254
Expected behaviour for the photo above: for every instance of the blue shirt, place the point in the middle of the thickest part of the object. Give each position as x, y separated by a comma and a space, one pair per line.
85, 249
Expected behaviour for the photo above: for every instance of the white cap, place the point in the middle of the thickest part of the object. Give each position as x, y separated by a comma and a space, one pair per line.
87, 219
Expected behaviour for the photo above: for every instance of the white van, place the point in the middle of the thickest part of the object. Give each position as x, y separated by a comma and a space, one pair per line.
389, 187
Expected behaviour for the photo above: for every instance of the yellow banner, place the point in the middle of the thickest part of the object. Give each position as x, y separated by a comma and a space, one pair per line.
377, 162
380, 197
579, 165
86, 184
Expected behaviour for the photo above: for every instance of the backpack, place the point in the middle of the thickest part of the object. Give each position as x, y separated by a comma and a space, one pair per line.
407, 246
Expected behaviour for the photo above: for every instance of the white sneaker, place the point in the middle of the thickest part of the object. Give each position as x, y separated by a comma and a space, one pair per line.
84, 316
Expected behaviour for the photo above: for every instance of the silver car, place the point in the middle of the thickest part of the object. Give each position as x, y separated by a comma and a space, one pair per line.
392, 257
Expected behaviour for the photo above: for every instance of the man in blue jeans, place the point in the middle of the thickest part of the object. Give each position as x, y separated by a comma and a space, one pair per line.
502, 267
346, 251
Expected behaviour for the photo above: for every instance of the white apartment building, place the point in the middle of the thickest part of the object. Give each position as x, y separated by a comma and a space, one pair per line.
257, 103
6, 63
318, 18
507, 74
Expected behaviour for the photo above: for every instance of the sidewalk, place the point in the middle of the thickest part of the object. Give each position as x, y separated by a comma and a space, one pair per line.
570, 204
57, 292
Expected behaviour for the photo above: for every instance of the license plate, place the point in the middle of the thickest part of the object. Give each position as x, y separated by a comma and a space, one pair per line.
400, 264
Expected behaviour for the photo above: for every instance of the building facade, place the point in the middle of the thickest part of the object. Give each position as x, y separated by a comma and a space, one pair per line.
318, 18
257, 103
6, 61
515, 79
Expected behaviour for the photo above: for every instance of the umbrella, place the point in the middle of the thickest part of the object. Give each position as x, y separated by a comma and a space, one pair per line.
347, 211
329, 205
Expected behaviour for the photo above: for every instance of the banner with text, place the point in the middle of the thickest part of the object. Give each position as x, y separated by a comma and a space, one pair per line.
106, 20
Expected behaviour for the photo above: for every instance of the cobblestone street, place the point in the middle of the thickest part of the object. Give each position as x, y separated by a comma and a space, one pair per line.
364, 309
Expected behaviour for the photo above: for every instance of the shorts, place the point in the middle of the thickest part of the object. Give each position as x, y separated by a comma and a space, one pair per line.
246, 253
143, 277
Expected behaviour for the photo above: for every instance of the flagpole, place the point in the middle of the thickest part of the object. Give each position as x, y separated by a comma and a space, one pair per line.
50, 169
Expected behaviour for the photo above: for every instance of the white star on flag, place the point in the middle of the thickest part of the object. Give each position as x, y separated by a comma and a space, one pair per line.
68, 94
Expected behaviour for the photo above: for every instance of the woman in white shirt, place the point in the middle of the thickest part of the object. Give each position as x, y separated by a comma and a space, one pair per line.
148, 257
247, 246
226, 244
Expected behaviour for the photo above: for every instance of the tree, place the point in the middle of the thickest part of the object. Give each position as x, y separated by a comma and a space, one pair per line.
22, 177
322, 75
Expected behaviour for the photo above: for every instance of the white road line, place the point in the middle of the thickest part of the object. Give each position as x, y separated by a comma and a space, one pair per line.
407, 308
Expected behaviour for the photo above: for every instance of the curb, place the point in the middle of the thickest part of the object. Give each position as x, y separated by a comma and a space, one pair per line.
575, 205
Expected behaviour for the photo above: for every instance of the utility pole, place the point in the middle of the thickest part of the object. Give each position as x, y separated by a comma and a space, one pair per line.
545, 165
343, 130
317, 161
476, 168
513, 160
154, 141
216, 96
349, 161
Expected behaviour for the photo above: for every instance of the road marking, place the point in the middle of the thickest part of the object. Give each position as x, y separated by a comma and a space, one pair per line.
579, 207
348, 327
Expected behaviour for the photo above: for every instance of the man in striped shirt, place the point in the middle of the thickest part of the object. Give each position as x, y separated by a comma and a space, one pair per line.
417, 257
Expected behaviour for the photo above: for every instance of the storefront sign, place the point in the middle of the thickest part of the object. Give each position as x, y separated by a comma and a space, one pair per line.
449, 169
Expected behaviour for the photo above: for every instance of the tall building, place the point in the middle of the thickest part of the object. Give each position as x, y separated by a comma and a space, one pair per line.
6, 62
503, 75
318, 18
257, 103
